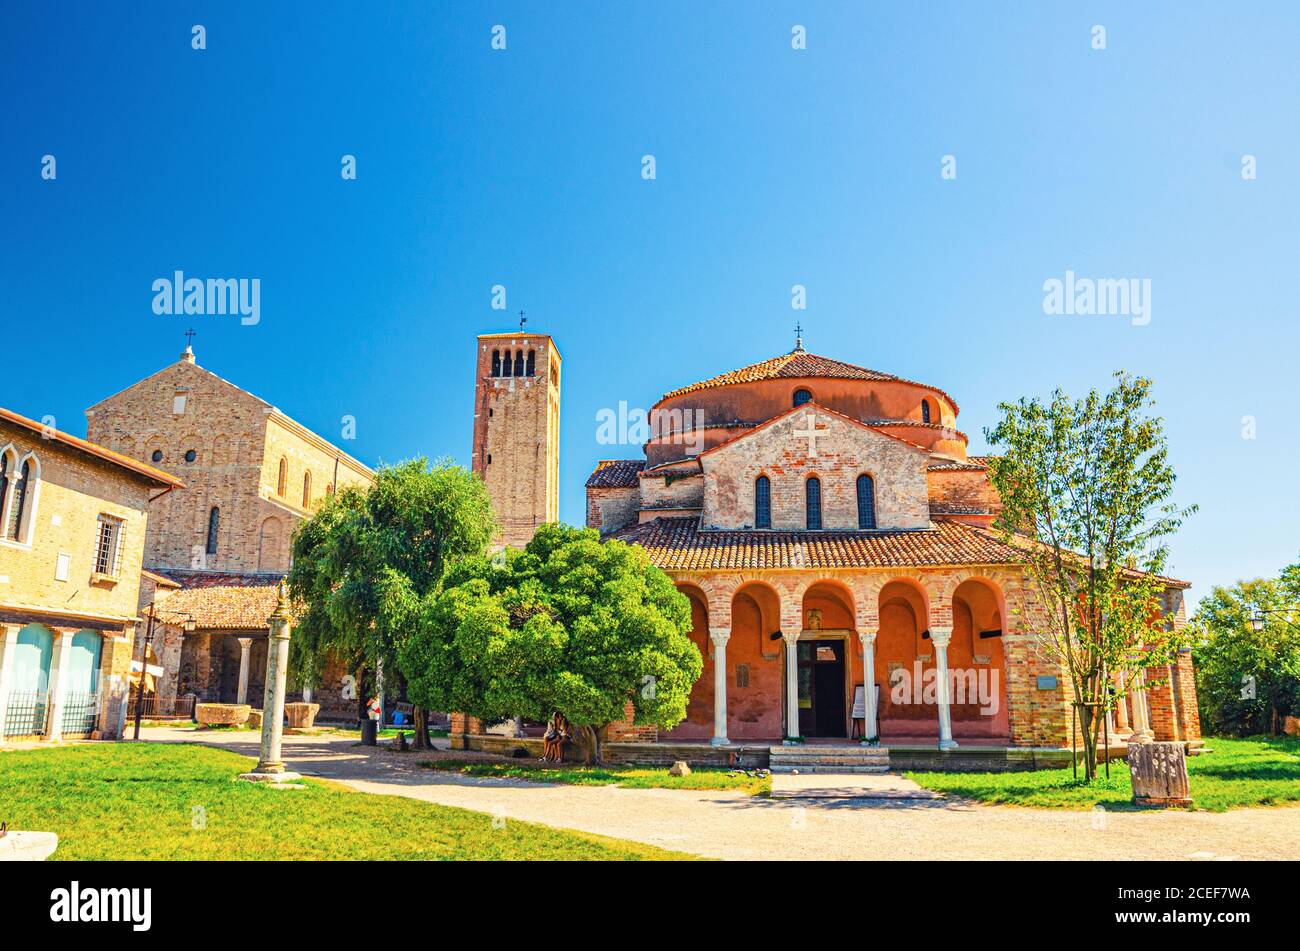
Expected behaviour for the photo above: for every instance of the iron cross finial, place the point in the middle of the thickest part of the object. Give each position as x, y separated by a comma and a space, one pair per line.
189, 337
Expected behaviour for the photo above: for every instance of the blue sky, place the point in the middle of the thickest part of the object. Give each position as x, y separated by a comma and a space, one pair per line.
522, 167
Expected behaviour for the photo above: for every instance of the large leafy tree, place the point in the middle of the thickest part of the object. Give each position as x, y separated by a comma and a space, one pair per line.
570, 624
363, 563
1247, 680
1085, 489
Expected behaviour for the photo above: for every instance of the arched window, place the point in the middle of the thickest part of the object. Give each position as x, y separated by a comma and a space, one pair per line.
282, 480
801, 397
762, 503
925, 411
866, 502
507, 364
813, 494
532, 363
214, 526
519, 363
306, 489
18, 504
496, 362
6, 463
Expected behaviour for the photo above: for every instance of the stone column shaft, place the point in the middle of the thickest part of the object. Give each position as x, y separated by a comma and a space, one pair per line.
791, 684
870, 729
720, 638
57, 697
8, 646
245, 648
269, 764
942, 636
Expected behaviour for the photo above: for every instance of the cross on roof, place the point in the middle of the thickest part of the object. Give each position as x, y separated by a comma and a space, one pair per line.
189, 337
798, 335
522, 320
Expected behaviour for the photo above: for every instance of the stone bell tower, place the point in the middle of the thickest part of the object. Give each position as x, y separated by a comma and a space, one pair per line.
517, 430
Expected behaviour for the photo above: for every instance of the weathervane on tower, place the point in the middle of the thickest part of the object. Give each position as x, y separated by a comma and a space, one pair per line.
522, 320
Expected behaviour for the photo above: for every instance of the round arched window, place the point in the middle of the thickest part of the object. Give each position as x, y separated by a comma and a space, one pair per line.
191, 455
157, 455
802, 396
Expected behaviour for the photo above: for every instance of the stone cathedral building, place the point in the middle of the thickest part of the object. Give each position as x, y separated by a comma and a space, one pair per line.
216, 548
834, 538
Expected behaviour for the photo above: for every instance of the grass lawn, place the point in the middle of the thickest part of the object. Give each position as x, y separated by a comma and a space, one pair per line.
630, 777
177, 801
1254, 771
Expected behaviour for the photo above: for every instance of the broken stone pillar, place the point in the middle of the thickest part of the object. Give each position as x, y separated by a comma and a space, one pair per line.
1159, 772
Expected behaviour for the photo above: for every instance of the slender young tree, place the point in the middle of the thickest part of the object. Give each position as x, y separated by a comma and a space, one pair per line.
1085, 488
569, 624
364, 562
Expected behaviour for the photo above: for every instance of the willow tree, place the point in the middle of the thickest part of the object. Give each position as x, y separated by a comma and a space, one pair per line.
568, 624
365, 560
1086, 488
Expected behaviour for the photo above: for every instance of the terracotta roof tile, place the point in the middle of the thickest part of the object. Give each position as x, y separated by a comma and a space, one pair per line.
679, 544
223, 607
798, 364
615, 474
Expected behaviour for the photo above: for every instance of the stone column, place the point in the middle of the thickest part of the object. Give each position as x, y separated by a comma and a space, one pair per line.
720, 637
269, 766
1141, 723
791, 639
9, 644
870, 733
245, 648
1121, 708
57, 697
941, 636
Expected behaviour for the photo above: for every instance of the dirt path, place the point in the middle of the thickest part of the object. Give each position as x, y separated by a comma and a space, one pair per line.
734, 826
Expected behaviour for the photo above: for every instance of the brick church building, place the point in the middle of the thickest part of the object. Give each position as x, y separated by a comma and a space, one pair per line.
825, 520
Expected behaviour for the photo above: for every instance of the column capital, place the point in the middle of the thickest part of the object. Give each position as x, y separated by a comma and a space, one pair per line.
245, 642
868, 636
941, 636
719, 635
790, 637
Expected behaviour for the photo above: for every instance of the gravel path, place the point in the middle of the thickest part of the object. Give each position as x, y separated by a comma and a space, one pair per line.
734, 826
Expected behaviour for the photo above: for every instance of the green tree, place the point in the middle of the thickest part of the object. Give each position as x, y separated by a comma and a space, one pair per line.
1085, 488
570, 624
363, 563
1247, 680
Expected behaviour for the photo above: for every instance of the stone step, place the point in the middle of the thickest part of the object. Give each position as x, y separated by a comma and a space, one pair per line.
802, 768
828, 759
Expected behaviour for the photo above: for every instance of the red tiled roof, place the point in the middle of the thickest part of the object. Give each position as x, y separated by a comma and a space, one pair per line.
615, 474
194, 578
952, 465
799, 364
679, 544
220, 600
223, 607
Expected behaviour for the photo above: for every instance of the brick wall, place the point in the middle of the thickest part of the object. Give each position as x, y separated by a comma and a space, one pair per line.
63, 508
611, 509
516, 447
845, 450
237, 441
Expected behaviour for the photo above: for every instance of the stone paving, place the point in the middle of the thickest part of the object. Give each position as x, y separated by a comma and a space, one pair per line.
732, 825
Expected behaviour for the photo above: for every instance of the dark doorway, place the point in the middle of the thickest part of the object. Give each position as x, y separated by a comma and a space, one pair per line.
821, 688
